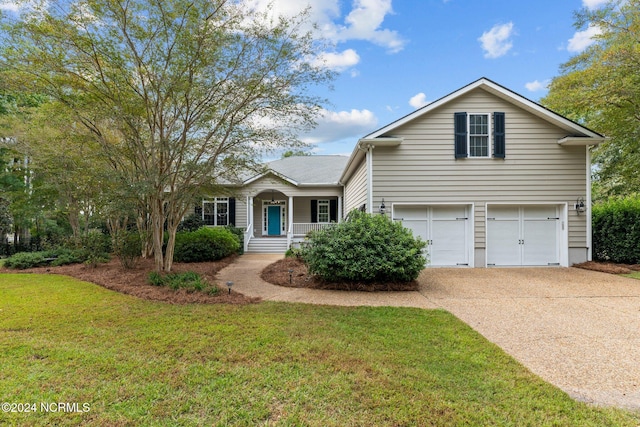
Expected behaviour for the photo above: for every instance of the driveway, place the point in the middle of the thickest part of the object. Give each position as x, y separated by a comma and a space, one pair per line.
577, 329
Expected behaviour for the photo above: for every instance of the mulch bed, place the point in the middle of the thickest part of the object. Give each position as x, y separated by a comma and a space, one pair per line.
278, 274
134, 281
609, 267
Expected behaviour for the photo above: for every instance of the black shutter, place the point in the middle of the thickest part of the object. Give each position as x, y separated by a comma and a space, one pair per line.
498, 135
232, 211
314, 211
333, 211
460, 120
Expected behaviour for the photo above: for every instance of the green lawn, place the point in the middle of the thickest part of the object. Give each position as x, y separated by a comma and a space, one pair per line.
135, 362
634, 275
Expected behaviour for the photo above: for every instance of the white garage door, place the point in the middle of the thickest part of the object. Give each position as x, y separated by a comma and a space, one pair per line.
444, 228
523, 235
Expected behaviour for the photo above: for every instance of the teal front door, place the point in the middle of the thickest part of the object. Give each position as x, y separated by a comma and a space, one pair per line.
273, 220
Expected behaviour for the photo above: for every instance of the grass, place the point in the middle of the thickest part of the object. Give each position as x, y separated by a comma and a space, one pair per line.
633, 275
142, 363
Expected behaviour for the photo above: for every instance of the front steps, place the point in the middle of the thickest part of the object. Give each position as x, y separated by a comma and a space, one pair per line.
267, 245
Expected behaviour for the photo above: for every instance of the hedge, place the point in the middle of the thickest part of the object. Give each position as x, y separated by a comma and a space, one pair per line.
616, 231
205, 244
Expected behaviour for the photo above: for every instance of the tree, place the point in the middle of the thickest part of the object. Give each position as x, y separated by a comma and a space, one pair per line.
600, 88
177, 94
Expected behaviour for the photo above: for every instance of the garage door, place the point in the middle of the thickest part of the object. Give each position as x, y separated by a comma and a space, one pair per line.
444, 228
523, 235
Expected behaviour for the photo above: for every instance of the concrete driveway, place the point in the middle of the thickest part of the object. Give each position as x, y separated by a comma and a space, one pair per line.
577, 329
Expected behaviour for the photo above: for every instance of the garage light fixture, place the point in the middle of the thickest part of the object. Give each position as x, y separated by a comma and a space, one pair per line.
383, 208
580, 207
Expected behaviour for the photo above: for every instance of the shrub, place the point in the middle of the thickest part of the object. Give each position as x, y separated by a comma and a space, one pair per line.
128, 247
23, 260
239, 232
190, 281
616, 230
364, 248
205, 244
96, 247
191, 223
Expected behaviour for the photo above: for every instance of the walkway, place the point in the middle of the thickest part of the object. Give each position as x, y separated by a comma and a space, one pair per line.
577, 329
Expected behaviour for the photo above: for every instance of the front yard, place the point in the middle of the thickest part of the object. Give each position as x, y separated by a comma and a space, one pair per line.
126, 361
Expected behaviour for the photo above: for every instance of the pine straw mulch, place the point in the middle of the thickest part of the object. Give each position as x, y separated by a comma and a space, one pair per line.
609, 267
134, 281
278, 274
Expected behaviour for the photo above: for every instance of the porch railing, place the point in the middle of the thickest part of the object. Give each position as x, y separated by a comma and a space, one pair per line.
302, 228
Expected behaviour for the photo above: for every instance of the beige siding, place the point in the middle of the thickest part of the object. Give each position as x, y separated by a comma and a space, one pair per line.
355, 191
536, 169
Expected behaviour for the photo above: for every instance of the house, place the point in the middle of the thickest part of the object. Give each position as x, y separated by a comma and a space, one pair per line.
484, 175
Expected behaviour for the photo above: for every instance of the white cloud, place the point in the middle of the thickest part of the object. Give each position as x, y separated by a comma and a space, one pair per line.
9, 5
536, 85
337, 61
593, 4
339, 125
583, 39
496, 42
363, 21
419, 100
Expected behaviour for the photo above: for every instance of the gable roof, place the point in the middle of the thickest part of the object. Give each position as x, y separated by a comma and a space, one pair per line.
305, 171
576, 133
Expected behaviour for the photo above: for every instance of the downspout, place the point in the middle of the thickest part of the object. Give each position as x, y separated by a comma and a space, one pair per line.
370, 178
588, 208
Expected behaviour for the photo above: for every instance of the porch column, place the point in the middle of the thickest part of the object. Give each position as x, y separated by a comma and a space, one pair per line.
250, 216
290, 225
339, 208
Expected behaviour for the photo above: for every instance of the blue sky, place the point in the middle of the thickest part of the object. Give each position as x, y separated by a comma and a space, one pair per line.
393, 56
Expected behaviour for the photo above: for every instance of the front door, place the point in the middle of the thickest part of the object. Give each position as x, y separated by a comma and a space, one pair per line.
273, 220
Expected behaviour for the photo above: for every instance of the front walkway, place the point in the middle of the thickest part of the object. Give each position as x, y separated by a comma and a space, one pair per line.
577, 329
245, 275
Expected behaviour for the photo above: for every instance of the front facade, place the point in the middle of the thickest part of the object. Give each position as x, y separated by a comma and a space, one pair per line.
485, 176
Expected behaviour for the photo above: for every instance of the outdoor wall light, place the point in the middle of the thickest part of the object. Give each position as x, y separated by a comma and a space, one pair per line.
580, 207
383, 208
229, 285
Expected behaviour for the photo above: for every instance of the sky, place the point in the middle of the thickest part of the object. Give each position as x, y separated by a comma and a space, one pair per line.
394, 56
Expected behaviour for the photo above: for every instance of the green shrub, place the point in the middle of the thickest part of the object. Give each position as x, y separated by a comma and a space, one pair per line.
191, 223
128, 247
24, 260
205, 244
190, 281
63, 256
239, 232
96, 247
364, 248
616, 231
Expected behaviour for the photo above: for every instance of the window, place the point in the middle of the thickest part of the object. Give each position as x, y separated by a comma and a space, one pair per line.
478, 135
216, 211
323, 211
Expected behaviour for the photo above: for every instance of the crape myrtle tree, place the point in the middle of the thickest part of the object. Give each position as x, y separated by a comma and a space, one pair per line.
176, 94
600, 88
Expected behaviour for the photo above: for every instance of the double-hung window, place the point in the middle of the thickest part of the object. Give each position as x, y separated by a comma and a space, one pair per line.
216, 211
479, 135
479, 128
323, 211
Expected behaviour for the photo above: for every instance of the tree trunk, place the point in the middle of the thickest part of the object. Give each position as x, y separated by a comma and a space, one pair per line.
157, 225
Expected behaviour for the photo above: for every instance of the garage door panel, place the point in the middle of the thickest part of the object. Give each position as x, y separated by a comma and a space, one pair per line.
449, 243
444, 227
503, 245
540, 242
522, 235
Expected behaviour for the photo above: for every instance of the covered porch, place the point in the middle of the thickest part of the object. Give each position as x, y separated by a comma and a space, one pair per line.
277, 221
